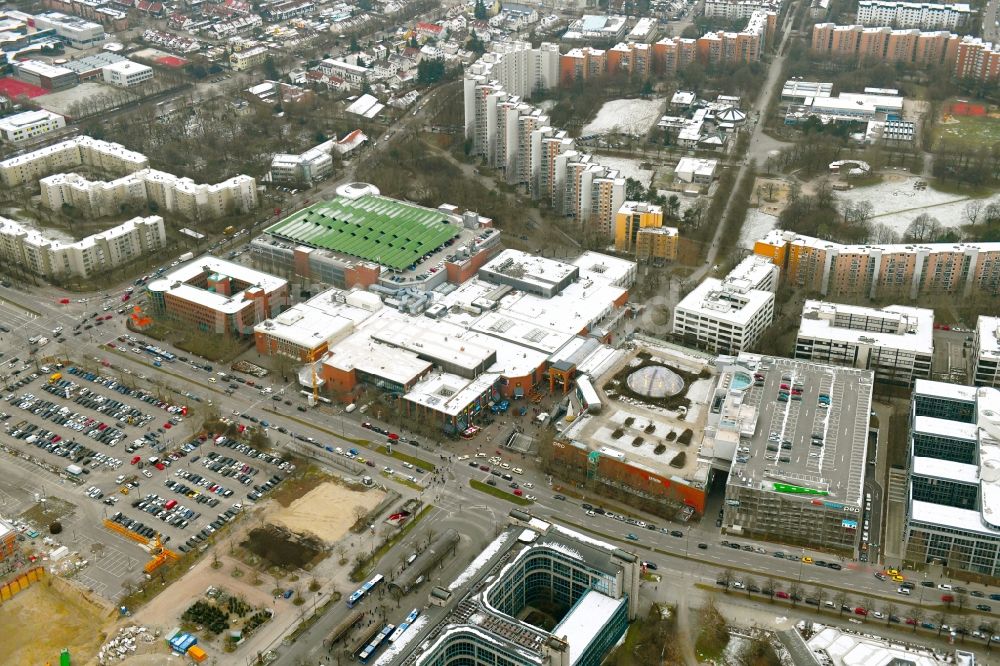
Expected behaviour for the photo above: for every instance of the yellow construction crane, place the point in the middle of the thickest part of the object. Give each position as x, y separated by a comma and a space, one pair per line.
160, 555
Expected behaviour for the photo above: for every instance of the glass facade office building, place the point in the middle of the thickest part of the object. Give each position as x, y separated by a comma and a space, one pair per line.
586, 588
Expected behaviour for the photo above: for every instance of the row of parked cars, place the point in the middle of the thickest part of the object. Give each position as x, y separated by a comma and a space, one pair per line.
115, 409
253, 453
76, 421
229, 467
207, 531
136, 526
198, 495
167, 510
23, 381
47, 440
126, 390
261, 490
200, 481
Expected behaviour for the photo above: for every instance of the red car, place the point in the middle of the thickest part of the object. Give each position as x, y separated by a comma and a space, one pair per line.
860, 611
168, 426
518, 492
136, 460
160, 466
64, 301
781, 595
56, 439
393, 436
484, 468
911, 621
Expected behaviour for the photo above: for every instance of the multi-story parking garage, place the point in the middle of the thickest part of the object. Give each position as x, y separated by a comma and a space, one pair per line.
536, 575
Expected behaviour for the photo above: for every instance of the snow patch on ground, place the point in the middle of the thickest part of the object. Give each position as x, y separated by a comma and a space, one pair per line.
479, 562
755, 226
402, 641
626, 116
628, 168
896, 203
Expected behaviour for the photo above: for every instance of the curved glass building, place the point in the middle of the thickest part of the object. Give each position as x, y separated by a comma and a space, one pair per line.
539, 594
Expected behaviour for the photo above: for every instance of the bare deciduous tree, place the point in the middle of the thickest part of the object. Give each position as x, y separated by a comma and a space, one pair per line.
923, 229
972, 210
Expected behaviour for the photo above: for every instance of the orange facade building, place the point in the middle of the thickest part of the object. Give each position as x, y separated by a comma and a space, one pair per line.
671, 54
884, 271
217, 296
578, 461
966, 56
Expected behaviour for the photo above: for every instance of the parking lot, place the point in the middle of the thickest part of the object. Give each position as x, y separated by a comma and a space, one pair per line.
136, 455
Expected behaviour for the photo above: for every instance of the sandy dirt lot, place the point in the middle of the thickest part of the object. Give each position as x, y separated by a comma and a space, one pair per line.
48, 619
326, 511
167, 607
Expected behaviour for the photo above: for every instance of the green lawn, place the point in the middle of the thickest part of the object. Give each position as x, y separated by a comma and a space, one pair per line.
971, 131
413, 460
496, 492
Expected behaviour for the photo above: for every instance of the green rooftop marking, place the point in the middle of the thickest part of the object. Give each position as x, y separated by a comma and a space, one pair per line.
371, 227
797, 490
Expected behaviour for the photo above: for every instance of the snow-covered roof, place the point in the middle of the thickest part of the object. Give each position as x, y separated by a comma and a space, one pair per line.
366, 105
942, 390
988, 337
930, 425
903, 327
177, 281
485, 556
585, 621
937, 468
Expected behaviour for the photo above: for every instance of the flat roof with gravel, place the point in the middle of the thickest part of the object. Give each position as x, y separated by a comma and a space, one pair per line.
375, 228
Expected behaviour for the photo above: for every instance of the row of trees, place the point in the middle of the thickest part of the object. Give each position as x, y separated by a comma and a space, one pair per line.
842, 602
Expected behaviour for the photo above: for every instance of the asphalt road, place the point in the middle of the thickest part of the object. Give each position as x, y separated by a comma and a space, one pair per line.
324, 424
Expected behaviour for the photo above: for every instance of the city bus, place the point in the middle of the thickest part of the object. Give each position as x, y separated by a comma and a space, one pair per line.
404, 625
376, 643
360, 593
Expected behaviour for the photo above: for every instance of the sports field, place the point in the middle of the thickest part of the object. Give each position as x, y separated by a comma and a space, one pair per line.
171, 61
14, 88
371, 227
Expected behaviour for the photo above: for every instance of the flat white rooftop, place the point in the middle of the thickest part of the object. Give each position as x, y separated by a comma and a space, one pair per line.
914, 330
535, 322
711, 300
944, 428
988, 337
604, 266
27, 118
837, 647
360, 352
942, 390
937, 468
323, 318
176, 282
585, 620
697, 165
949, 516
43, 68
754, 272
779, 237
530, 268
450, 394
794, 88
441, 341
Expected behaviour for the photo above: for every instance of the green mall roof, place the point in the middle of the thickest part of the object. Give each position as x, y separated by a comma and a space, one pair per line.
375, 228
